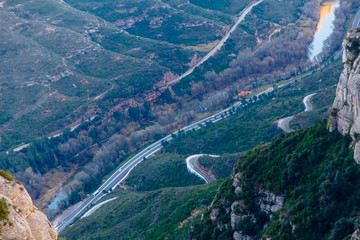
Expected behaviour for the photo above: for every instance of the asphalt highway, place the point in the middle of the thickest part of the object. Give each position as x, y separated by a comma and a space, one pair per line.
307, 104
284, 122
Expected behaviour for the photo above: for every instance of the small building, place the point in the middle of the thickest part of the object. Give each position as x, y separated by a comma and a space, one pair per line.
245, 94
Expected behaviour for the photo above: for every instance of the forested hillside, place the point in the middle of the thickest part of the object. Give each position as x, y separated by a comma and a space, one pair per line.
309, 175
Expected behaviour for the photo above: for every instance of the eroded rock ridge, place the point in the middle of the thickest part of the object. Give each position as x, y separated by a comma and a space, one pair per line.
24, 220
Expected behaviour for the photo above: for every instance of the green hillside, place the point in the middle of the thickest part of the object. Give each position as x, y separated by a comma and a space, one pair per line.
161, 214
315, 173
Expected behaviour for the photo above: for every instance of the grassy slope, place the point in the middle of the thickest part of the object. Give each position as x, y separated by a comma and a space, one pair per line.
226, 6
171, 21
144, 215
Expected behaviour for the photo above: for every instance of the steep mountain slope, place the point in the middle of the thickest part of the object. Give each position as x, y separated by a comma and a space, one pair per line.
303, 185
19, 218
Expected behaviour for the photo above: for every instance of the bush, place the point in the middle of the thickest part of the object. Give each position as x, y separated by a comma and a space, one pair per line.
7, 175
4, 212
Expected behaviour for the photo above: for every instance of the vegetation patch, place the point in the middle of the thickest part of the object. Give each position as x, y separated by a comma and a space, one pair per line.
4, 212
7, 175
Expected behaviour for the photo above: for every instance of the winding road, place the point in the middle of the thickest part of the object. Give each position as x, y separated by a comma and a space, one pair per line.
306, 102
284, 122
191, 166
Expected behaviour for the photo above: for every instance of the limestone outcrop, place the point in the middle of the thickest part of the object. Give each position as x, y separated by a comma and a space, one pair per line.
24, 220
345, 115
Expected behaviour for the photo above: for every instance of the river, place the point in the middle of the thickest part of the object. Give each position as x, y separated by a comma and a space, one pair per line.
324, 28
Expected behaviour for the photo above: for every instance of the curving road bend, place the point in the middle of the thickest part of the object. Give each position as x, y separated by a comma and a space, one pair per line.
96, 207
284, 122
191, 166
306, 102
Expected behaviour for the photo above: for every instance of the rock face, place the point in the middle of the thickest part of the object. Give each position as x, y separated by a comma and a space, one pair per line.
24, 220
346, 109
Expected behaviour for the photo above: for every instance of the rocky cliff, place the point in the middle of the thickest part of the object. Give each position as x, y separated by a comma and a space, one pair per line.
345, 114
22, 220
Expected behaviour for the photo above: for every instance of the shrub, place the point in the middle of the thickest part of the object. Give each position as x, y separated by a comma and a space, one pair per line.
7, 175
3, 210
